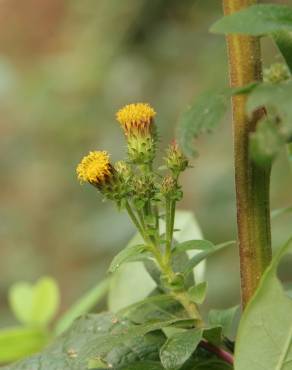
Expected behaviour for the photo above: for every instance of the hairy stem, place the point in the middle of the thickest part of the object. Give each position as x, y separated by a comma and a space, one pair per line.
252, 182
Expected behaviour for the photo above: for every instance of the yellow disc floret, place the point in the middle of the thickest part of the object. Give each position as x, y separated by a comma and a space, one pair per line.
94, 168
136, 116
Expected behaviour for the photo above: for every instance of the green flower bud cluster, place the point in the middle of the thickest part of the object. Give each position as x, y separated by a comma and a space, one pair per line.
277, 72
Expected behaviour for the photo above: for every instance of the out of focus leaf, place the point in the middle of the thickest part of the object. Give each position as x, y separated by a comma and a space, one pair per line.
256, 20
16, 343
265, 332
202, 116
179, 347
82, 306
205, 114
35, 304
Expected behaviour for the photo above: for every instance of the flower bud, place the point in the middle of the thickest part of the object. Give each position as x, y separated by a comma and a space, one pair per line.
143, 189
137, 121
124, 170
276, 73
170, 189
175, 160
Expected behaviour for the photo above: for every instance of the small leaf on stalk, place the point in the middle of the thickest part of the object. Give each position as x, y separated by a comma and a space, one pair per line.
129, 254
198, 292
283, 39
223, 318
191, 245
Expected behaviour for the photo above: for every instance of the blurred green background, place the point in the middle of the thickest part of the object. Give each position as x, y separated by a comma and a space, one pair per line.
66, 67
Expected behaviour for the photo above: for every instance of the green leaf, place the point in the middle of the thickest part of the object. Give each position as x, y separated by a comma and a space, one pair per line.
265, 333
277, 98
147, 365
46, 299
256, 20
194, 261
179, 348
191, 245
283, 39
35, 304
202, 116
223, 318
16, 343
213, 335
158, 307
20, 297
82, 306
265, 143
198, 292
131, 253
110, 338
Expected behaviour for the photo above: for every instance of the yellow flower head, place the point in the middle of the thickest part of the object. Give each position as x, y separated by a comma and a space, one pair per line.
95, 168
136, 118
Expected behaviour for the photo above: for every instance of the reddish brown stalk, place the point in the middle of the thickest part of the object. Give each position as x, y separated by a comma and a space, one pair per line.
219, 352
252, 182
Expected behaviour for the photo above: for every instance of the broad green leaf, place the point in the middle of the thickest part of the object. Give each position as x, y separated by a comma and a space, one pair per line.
35, 304
192, 244
131, 253
147, 365
283, 39
82, 306
202, 116
198, 292
256, 20
213, 365
264, 339
179, 348
158, 307
194, 261
265, 143
19, 342
223, 318
46, 300
107, 337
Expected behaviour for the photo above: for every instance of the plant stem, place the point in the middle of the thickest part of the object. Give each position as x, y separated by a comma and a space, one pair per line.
224, 355
135, 220
252, 182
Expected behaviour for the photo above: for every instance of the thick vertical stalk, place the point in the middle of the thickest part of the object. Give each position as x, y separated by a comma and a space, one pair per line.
252, 182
